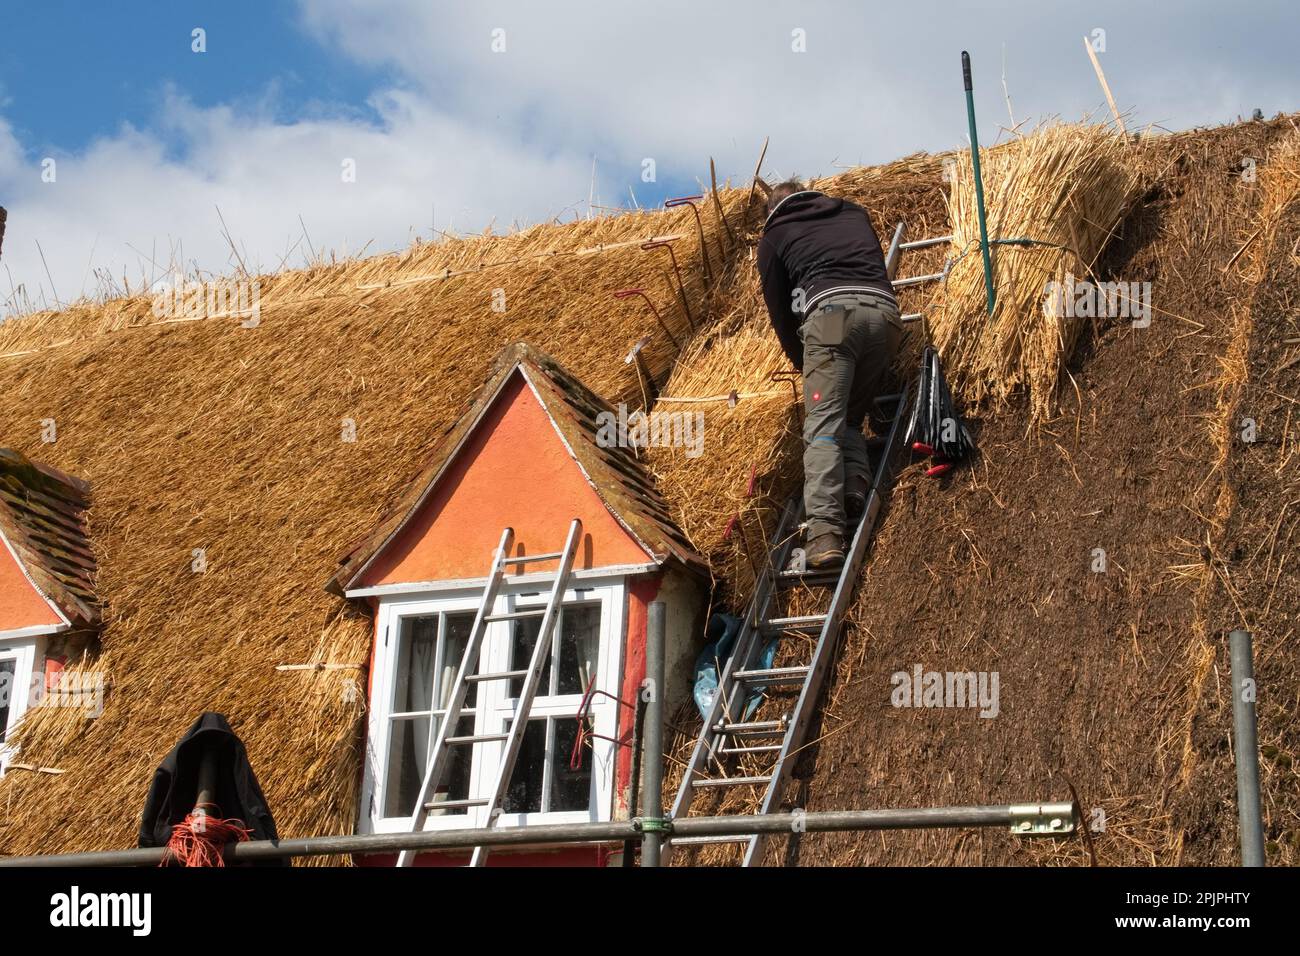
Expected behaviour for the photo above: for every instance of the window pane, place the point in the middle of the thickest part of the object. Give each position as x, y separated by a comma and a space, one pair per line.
408, 751
455, 785
413, 684
456, 629
8, 688
579, 650
570, 789
408, 746
523, 638
524, 795
579, 647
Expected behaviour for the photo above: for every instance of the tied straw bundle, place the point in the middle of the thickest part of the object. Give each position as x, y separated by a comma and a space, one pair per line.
1065, 187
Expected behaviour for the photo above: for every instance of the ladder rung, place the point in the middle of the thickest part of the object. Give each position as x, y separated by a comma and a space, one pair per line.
516, 615
455, 804
802, 623
477, 739
768, 673
499, 675
525, 558
696, 840
759, 749
916, 280
923, 243
749, 726
731, 782
910, 317
808, 577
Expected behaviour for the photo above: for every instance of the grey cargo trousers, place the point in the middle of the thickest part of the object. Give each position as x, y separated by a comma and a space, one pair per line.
849, 343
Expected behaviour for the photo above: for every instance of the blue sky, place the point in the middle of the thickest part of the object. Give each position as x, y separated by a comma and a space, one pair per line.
149, 139
74, 71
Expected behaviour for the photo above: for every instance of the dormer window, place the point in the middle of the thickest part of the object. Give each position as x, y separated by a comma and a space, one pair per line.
17, 663
525, 457
555, 779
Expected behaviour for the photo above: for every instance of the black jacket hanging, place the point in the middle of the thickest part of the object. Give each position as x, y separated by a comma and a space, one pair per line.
236, 792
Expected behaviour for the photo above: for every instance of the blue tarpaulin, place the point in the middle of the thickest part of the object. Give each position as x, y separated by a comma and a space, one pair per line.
722, 632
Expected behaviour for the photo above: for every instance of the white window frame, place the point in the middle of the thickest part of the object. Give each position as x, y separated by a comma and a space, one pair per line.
25, 651
495, 707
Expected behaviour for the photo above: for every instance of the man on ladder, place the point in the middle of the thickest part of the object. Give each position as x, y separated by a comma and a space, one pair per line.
833, 308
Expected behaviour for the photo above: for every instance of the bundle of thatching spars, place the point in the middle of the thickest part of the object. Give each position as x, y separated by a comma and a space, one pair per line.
934, 426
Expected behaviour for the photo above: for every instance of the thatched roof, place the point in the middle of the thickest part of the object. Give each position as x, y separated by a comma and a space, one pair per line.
206, 435
43, 517
225, 490
988, 570
615, 473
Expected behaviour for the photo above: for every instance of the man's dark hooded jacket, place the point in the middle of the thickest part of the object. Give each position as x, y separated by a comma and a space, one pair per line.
822, 246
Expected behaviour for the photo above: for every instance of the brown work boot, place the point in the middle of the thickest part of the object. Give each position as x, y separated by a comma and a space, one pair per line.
825, 550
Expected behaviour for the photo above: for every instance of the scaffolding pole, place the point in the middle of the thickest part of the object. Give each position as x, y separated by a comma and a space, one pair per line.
1039, 818
1246, 746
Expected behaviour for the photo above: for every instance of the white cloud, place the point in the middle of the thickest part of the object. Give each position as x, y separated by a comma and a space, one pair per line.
139, 205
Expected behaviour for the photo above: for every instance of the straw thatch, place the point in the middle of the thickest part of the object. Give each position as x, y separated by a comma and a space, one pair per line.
983, 572
1065, 188
1114, 685
1253, 533
226, 488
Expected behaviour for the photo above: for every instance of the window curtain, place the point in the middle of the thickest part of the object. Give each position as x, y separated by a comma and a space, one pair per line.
421, 654
457, 634
582, 634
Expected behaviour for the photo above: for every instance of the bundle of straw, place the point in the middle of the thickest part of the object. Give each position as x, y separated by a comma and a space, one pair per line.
1065, 187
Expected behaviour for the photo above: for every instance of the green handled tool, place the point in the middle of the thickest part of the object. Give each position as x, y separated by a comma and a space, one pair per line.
979, 184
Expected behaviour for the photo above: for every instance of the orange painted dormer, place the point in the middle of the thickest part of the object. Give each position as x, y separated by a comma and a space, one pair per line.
47, 600
528, 456
513, 471
531, 454
22, 607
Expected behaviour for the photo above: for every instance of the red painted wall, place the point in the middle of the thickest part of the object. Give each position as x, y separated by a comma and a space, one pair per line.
21, 605
515, 471
640, 593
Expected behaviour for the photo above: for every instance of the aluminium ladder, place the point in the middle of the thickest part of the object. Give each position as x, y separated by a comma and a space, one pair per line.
727, 732
440, 762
